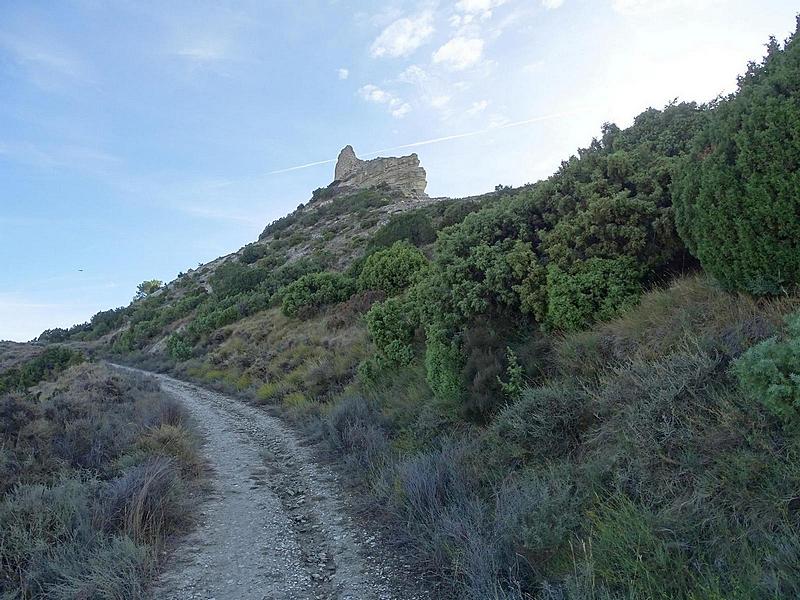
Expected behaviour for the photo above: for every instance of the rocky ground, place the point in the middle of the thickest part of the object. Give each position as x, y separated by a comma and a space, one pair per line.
276, 524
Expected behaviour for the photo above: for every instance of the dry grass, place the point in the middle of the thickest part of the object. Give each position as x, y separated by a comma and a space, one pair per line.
690, 311
276, 359
95, 473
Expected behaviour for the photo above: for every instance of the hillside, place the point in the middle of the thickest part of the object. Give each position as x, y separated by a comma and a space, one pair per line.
587, 387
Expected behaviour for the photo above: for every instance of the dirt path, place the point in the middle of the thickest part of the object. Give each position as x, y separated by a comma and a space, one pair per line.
275, 526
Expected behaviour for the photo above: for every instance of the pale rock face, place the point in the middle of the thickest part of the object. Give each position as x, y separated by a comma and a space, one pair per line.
403, 173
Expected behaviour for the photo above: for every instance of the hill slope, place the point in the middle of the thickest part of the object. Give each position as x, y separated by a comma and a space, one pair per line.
541, 389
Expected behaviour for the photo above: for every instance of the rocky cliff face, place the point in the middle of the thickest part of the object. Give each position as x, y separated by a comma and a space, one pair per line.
403, 173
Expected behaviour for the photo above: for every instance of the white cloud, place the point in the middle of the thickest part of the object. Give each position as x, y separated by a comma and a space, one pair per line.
205, 52
478, 7
459, 21
401, 111
637, 7
533, 67
478, 107
415, 75
404, 36
552, 4
397, 107
440, 101
343, 73
459, 53
372, 93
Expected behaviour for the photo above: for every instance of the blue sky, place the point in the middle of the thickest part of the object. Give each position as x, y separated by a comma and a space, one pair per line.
140, 138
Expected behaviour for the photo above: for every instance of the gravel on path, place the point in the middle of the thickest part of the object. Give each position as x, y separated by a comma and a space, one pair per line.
275, 525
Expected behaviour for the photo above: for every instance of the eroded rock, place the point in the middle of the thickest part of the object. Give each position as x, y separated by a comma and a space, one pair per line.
402, 173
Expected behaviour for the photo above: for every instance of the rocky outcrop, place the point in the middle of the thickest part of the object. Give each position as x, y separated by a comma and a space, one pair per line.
404, 173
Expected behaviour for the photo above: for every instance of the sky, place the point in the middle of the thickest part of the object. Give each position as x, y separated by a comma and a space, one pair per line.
138, 139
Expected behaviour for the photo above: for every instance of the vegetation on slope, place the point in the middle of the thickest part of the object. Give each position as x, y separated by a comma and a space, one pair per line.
540, 388
95, 473
739, 201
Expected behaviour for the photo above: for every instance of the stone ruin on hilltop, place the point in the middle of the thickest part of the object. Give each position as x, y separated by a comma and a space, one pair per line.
404, 173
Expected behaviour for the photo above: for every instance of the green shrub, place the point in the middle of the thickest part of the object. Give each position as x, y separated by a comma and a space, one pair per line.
613, 227
147, 288
179, 347
232, 278
413, 227
770, 372
393, 269
313, 291
48, 365
254, 252
392, 324
737, 205
457, 212
443, 365
483, 268
594, 290
514, 383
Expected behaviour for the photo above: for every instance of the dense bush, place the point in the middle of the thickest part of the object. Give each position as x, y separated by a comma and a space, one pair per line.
739, 200
313, 291
178, 347
356, 428
352, 309
393, 269
594, 290
233, 278
770, 373
606, 211
50, 546
254, 252
457, 212
414, 227
491, 373
46, 365
443, 365
392, 325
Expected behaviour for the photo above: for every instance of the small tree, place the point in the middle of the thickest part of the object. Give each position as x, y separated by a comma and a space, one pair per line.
392, 270
391, 325
147, 288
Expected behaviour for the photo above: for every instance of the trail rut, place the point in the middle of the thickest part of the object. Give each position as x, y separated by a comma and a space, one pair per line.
275, 526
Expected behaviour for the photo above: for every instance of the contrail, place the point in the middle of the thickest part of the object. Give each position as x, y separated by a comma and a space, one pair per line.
446, 138
305, 166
